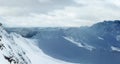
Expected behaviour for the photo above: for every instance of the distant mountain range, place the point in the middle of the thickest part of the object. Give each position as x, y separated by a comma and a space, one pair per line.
97, 44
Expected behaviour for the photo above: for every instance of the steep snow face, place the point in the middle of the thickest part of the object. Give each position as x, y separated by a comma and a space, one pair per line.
15, 49
10, 52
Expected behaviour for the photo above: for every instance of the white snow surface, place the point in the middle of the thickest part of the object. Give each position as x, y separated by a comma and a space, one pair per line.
34, 53
10, 52
82, 45
115, 48
100, 38
22, 51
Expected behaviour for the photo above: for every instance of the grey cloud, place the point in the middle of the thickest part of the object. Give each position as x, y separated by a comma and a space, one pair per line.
26, 7
58, 12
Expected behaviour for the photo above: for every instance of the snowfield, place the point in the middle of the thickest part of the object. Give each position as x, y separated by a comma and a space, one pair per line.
82, 45
15, 49
34, 53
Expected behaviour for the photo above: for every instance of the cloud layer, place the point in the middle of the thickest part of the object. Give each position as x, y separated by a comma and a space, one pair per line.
57, 13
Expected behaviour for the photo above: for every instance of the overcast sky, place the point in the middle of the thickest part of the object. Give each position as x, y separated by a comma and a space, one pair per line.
56, 13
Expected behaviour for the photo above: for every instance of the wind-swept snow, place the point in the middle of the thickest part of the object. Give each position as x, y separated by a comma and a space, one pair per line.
82, 45
100, 38
115, 48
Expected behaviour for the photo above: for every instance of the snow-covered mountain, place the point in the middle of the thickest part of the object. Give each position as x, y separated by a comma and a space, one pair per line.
97, 44
10, 51
15, 49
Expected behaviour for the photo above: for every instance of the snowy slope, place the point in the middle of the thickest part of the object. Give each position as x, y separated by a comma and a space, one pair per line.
15, 49
34, 53
82, 45
97, 44
10, 52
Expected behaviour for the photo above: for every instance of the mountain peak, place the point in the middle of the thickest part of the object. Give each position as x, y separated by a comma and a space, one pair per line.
117, 22
107, 26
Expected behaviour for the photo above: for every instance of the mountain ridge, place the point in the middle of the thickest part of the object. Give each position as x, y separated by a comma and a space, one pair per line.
97, 44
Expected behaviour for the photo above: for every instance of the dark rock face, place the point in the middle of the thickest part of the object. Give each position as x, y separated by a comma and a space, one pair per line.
102, 36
